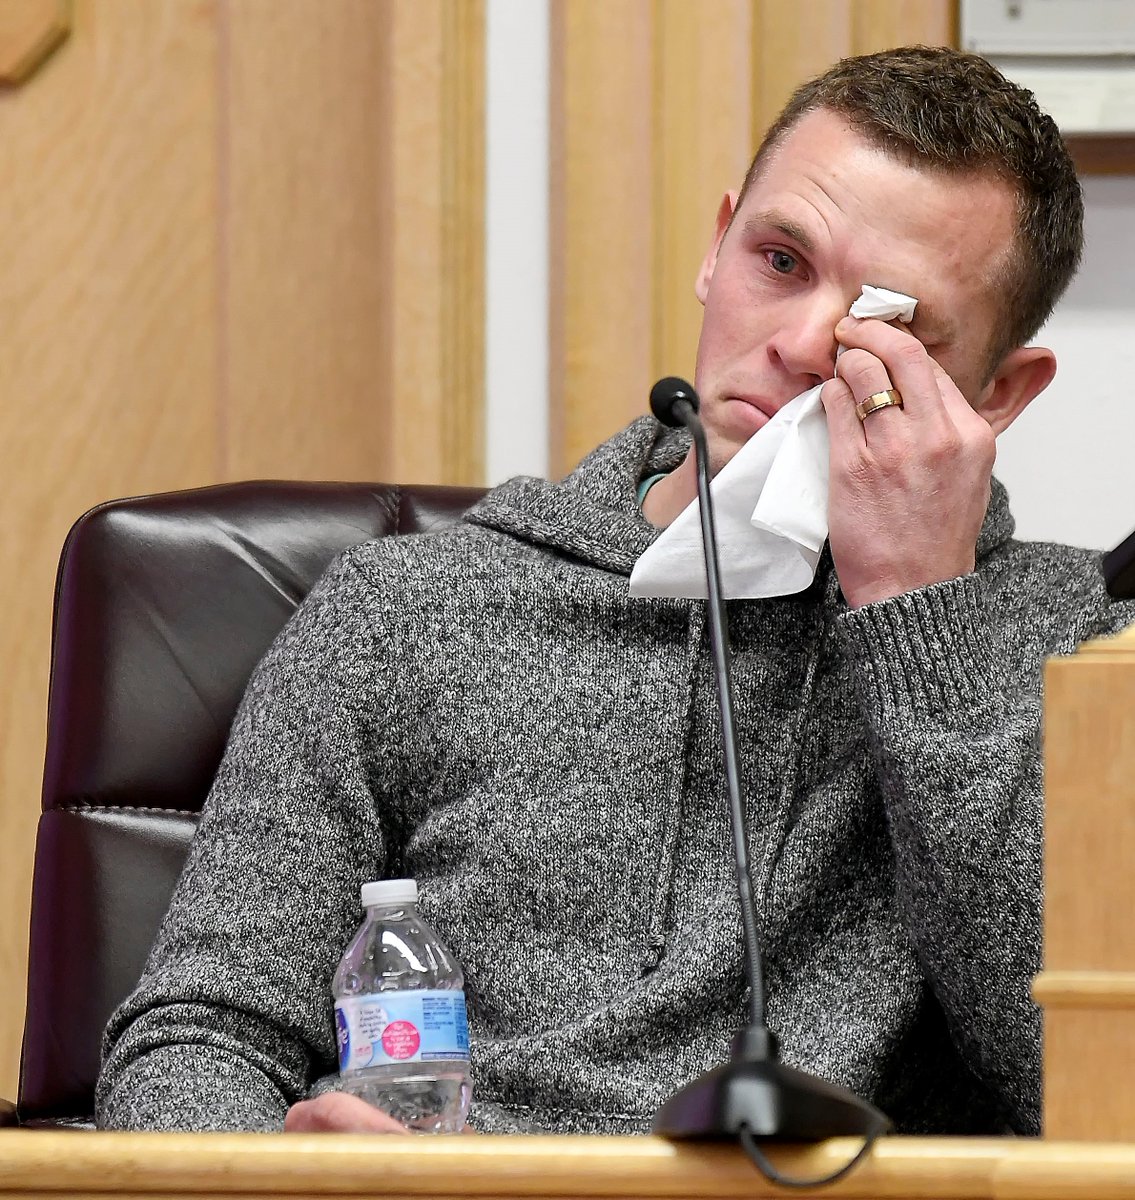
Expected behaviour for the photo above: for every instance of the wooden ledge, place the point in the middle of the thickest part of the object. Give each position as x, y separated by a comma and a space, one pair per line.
210, 1165
1122, 643
1085, 989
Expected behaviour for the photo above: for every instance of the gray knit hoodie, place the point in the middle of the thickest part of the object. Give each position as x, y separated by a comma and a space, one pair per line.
487, 710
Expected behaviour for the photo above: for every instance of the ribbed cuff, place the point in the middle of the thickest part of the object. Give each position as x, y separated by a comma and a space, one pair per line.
188, 1089
925, 652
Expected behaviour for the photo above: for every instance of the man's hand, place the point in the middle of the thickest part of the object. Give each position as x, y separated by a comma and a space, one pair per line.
338, 1112
909, 486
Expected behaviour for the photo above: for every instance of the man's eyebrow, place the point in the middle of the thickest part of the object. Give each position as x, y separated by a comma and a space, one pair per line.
771, 219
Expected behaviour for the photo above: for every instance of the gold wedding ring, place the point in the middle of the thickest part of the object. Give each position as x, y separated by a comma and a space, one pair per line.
876, 401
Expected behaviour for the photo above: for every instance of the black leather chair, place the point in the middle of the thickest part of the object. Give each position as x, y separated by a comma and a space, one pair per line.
163, 606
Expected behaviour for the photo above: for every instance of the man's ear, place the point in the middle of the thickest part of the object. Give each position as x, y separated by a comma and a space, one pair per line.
1020, 377
724, 216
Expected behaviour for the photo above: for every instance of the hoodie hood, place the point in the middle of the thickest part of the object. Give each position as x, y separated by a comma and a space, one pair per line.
592, 514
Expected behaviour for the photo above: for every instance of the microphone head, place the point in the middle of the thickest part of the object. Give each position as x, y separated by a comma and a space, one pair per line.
666, 393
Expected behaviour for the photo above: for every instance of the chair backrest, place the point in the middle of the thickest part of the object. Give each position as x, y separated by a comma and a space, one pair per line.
163, 606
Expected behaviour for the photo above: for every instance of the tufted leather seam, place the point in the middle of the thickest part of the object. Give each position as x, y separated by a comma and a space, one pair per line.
126, 808
398, 495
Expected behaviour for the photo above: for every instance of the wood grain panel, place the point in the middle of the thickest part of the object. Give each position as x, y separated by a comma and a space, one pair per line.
241, 239
702, 147
1089, 1073
355, 330
304, 390
108, 359
601, 345
130, 1166
881, 24
793, 42
1110, 155
1085, 989
1088, 984
433, 267
1090, 813
462, 281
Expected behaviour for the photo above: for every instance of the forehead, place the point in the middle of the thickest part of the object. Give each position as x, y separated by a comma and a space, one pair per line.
872, 218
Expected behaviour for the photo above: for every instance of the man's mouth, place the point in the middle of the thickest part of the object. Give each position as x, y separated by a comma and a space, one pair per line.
762, 405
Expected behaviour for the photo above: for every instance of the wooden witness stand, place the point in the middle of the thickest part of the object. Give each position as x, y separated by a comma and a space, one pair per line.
1087, 989
211, 1166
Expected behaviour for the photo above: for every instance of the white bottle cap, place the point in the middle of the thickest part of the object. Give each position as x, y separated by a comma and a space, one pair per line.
390, 891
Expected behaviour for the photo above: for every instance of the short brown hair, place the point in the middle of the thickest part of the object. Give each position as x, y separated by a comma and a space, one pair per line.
944, 110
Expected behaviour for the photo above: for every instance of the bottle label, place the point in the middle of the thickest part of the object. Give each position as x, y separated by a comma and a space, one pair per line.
399, 1027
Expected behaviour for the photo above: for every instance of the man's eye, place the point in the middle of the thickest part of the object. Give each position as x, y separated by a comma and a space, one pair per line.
782, 262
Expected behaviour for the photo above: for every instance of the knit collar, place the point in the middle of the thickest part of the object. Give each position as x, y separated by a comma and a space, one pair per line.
999, 524
593, 514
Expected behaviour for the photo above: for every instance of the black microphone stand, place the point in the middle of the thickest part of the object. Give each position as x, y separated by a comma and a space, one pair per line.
752, 1097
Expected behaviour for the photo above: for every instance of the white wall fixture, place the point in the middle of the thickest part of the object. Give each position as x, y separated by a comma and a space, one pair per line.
1077, 56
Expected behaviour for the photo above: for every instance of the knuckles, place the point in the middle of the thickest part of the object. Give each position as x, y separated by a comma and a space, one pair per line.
942, 450
862, 371
884, 343
945, 449
910, 353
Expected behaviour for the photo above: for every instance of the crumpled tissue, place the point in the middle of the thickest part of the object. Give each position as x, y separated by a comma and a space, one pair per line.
770, 501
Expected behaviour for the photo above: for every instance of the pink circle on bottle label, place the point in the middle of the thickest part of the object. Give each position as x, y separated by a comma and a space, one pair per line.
400, 1039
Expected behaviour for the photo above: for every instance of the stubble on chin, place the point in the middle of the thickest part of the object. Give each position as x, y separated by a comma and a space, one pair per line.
720, 453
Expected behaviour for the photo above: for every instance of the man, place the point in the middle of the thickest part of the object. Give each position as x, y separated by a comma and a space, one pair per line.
487, 710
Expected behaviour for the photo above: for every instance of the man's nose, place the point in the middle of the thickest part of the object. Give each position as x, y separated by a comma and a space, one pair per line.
806, 344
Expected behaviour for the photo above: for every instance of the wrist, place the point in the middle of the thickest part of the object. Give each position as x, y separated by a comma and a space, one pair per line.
876, 588
924, 653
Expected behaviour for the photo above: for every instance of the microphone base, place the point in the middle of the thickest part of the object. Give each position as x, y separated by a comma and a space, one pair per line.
774, 1101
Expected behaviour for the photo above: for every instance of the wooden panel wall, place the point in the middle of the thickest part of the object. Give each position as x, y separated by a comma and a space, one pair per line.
303, 335
601, 176
240, 240
434, 251
657, 109
703, 63
352, 216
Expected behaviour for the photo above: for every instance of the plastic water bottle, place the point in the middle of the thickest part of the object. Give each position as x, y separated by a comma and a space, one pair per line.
400, 1015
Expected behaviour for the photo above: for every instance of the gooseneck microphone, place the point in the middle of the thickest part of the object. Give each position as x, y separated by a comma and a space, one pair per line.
753, 1097
674, 402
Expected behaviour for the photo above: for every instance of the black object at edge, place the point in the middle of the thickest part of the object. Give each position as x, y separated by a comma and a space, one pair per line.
1119, 570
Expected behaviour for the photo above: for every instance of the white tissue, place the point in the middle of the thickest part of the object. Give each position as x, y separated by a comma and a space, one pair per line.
770, 500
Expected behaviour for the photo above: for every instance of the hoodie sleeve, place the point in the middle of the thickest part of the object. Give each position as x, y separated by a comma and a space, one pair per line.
950, 690
232, 1017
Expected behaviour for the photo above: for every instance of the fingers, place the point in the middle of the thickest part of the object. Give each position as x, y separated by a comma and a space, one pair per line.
844, 427
875, 351
338, 1112
859, 375
955, 403
908, 487
878, 356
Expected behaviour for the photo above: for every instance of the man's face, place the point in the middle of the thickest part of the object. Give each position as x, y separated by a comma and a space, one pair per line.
828, 213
